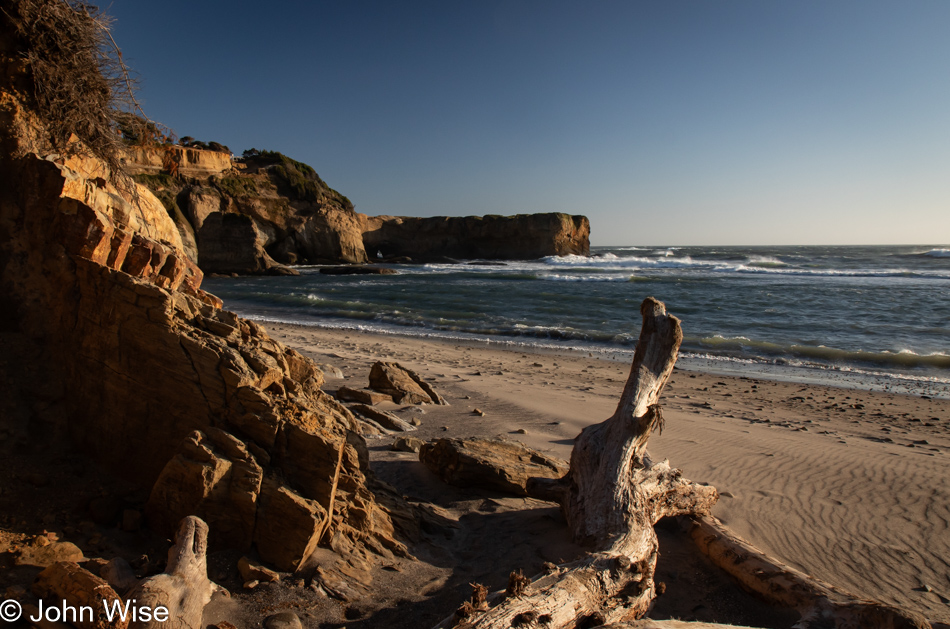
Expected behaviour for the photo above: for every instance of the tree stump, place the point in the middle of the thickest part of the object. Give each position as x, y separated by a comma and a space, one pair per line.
612, 496
184, 588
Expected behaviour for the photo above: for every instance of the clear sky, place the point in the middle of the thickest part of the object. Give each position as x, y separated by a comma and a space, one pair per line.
665, 122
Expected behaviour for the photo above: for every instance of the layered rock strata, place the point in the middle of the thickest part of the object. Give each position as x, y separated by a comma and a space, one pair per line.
160, 384
520, 237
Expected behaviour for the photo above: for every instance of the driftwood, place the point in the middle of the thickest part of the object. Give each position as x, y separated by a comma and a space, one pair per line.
611, 497
821, 605
184, 589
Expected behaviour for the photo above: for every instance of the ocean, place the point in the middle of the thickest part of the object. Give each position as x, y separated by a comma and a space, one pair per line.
873, 317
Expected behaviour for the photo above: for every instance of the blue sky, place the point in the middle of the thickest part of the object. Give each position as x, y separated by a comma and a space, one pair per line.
733, 122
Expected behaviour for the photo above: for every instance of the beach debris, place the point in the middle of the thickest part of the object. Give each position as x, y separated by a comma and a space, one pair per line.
820, 604
184, 588
407, 444
611, 495
415, 421
251, 571
478, 411
404, 385
385, 419
363, 396
77, 587
492, 463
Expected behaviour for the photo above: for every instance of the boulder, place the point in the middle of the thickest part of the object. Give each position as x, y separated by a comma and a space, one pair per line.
407, 444
252, 571
495, 464
363, 396
386, 419
49, 554
404, 385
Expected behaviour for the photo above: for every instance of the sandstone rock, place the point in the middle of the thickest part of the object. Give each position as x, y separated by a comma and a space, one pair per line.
68, 582
229, 243
163, 386
407, 444
290, 526
404, 385
489, 463
283, 620
363, 396
44, 556
386, 419
191, 162
253, 571
521, 237
215, 478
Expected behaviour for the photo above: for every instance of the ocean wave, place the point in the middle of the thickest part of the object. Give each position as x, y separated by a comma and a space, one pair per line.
611, 261
596, 277
937, 253
765, 262
902, 358
788, 270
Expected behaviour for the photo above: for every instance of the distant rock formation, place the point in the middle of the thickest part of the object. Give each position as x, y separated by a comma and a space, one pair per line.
265, 210
521, 237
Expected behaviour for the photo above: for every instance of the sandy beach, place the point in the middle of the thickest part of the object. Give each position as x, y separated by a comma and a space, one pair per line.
849, 486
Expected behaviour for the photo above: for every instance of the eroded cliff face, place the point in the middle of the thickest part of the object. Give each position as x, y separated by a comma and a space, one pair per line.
159, 383
250, 216
520, 237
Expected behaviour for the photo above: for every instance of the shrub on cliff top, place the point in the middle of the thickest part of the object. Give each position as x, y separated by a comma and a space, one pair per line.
295, 179
75, 79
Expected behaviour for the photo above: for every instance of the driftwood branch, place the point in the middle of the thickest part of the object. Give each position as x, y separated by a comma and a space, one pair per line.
184, 589
821, 605
611, 497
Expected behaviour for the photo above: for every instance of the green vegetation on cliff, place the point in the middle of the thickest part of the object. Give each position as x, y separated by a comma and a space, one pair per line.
294, 179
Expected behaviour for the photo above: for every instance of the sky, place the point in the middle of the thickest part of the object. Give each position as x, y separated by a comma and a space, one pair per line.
678, 122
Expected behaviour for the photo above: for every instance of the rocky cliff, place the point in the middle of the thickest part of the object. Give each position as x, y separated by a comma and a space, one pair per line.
521, 237
251, 215
155, 380
266, 210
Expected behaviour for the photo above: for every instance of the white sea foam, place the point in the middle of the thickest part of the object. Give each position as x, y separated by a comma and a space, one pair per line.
937, 253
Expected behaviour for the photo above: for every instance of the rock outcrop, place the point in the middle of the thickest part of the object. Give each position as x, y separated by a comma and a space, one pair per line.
521, 237
264, 210
250, 215
159, 383
502, 465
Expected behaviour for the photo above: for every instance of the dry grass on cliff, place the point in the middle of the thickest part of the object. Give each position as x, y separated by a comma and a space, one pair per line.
76, 78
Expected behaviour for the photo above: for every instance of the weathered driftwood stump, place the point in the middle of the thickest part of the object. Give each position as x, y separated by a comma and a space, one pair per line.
184, 588
612, 496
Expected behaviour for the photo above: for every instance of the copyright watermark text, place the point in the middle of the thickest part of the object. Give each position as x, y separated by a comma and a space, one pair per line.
11, 610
